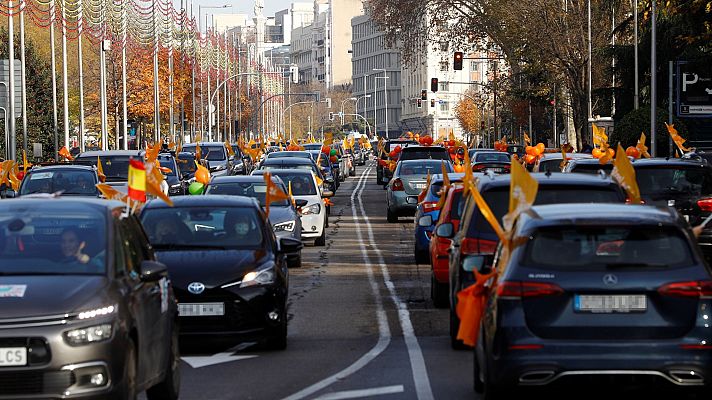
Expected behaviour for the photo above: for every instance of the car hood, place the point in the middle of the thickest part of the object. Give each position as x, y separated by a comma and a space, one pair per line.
52, 294
210, 267
281, 214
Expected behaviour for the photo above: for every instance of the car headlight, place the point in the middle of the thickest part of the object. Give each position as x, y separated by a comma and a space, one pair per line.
218, 167
175, 186
98, 312
284, 226
260, 277
312, 209
91, 334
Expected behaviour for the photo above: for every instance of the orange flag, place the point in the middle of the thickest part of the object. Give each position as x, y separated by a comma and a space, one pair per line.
468, 178
154, 177
274, 193
137, 180
624, 173
25, 164
228, 147
110, 193
100, 170
424, 192
470, 307
152, 152
679, 141
65, 153
642, 148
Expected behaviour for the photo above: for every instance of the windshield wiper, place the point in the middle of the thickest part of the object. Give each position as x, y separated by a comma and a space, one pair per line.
178, 246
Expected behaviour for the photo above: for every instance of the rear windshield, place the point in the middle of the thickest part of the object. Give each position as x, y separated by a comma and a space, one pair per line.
492, 157
116, 168
423, 168
498, 200
590, 168
210, 153
670, 181
168, 163
76, 182
607, 248
435, 189
287, 166
552, 165
437, 153
302, 185
187, 165
256, 190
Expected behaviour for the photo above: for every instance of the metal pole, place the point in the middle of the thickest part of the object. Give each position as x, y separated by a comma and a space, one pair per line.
590, 79
635, 36
156, 100
375, 122
556, 136
65, 90
670, 79
22, 76
218, 75
11, 85
54, 82
80, 60
653, 80
171, 122
495, 135
102, 93
124, 111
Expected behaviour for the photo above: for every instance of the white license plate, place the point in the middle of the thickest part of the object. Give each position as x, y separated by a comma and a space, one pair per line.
610, 303
201, 309
13, 356
420, 186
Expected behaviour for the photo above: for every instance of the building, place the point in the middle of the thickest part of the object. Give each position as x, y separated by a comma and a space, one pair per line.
370, 56
330, 30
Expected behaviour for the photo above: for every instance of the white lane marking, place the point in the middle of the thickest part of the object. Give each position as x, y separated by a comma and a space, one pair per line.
357, 394
417, 361
384, 332
204, 361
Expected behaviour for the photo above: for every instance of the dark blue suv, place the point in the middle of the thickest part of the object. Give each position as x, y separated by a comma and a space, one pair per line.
606, 292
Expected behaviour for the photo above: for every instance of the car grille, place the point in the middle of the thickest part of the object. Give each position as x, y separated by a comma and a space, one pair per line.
239, 314
34, 382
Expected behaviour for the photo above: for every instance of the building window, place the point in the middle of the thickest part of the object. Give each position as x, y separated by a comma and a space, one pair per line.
474, 66
444, 86
444, 106
444, 65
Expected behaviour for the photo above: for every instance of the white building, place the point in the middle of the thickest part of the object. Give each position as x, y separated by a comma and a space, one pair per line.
369, 53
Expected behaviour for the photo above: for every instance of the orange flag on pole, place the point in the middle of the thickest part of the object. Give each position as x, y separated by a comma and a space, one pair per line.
273, 193
624, 173
679, 141
100, 170
470, 307
65, 153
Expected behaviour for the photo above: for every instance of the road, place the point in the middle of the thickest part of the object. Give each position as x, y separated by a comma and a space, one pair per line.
361, 321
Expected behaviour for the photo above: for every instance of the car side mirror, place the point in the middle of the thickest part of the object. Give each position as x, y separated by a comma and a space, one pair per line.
300, 202
425, 220
152, 271
289, 245
231, 158
445, 230
480, 263
10, 194
327, 193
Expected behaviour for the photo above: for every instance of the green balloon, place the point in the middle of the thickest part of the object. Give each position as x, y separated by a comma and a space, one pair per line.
196, 188
332, 152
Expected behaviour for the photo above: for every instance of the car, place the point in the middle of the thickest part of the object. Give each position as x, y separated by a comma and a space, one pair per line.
360, 155
325, 166
476, 237
552, 161
87, 310
240, 289
382, 177
472, 152
219, 162
409, 179
426, 214
288, 154
417, 152
587, 165
438, 247
176, 185
312, 146
115, 164
291, 163
498, 162
597, 293
70, 180
314, 215
341, 165
283, 215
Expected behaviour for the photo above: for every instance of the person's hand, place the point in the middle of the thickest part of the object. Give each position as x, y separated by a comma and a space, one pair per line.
697, 230
81, 257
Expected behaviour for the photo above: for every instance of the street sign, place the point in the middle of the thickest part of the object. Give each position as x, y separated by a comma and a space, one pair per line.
4, 89
694, 90
37, 150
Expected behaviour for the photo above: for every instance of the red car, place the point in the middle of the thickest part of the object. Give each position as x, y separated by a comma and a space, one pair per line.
439, 281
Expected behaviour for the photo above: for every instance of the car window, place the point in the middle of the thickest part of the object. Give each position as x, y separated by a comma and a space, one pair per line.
302, 184
603, 248
492, 157
56, 239
255, 190
69, 182
168, 163
116, 168
210, 153
438, 153
133, 253
670, 180
551, 165
591, 168
423, 168
226, 227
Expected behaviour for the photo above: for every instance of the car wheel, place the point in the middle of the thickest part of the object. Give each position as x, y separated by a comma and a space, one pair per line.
439, 293
422, 257
128, 383
456, 343
392, 217
278, 339
321, 240
295, 262
478, 382
352, 172
379, 176
169, 388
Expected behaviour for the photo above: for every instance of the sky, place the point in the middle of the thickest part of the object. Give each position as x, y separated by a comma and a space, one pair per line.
240, 6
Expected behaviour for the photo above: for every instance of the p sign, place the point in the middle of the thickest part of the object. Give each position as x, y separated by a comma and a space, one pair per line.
694, 90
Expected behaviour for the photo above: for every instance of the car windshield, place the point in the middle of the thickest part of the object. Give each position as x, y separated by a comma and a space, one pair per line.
498, 200
116, 168
210, 153
52, 239
288, 166
187, 165
609, 247
312, 146
76, 182
423, 168
492, 157
551, 165
207, 227
168, 163
256, 190
590, 168
302, 184
663, 182
438, 153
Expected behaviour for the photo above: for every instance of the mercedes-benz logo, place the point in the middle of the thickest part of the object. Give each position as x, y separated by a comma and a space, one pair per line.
196, 288
610, 279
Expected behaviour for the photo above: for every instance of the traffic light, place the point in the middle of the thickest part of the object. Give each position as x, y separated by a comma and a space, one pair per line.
432, 103
423, 95
433, 85
457, 65
331, 116
420, 103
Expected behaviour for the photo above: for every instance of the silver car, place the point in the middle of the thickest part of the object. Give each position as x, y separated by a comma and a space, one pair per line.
409, 179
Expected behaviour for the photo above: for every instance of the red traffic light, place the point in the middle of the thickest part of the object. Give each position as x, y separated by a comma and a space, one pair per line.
457, 64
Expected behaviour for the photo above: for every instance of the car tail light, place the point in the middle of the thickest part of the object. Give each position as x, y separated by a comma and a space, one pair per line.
397, 185
687, 289
479, 167
705, 204
508, 166
526, 347
696, 346
477, 246
429, 206
518, 290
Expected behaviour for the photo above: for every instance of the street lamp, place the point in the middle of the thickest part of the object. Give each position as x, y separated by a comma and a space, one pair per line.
342, 108
385, 97
366, 96
206, 7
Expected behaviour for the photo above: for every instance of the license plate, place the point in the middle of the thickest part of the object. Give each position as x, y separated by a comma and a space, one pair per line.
201, 309
420, 186
497, 169
610, 303
13, 356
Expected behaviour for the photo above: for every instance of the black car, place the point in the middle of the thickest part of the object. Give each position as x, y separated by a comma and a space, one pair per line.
186, 165
229, 271
496, 161
176, 185
595, 295
417, 152
115, 163
67, 179
219, 161
476, 236
86, 311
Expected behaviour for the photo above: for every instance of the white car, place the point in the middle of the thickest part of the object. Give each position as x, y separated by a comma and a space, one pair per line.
305, 187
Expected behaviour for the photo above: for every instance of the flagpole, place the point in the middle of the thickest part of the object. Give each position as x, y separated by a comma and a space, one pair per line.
65, 90
80, 60
54, 81
22, 76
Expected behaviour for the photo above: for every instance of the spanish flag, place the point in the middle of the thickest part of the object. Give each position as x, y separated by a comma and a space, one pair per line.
273, 193
137, 180
624, 173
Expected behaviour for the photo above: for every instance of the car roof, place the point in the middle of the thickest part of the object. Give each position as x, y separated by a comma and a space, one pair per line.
546, 178
288, 160
40, 201
284, 171
213, 200
419, 147
438, 178
683, 162
205, 144
571, 156
242, 178
294, 153
601, 214
102, 153
61, 167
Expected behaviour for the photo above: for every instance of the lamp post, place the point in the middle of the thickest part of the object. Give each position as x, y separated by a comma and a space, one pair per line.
207, 7
342, 108
385, 96
366, 96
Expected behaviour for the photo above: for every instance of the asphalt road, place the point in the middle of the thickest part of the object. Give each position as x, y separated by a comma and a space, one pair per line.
361, 321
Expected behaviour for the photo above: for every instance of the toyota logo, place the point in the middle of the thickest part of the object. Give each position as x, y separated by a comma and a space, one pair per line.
610, 279
196, 288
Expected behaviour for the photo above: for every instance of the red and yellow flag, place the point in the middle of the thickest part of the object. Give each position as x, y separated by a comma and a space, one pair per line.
110, 193
624, 173
137, 180
100, 170
273, 193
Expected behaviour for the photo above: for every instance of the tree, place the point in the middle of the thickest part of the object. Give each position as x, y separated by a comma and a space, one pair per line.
468, 112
